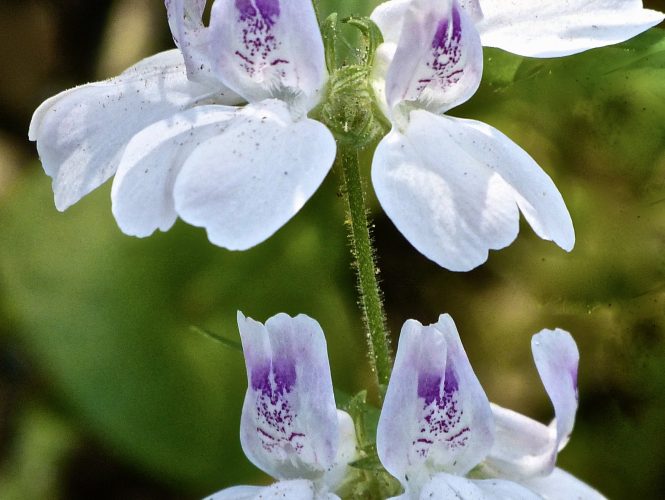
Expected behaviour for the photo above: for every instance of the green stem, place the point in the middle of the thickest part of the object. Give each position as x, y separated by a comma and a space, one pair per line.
363, 252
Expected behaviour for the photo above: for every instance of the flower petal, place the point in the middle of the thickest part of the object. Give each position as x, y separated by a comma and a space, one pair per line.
269, 48
560, 485
289, 426
389, 17
438, 62
81, 133
547, 28
449, 206
473, 8
246, 183
523, 447
452, 187
447, 486
143, 185
536, 195
298, 489
191, 36
435, 416
237, 493
346, 453
501, 489
557, 358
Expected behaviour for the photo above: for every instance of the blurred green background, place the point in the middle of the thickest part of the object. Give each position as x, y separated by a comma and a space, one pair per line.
106, 392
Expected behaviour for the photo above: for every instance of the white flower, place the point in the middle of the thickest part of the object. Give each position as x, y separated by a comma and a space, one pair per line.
290, 427
167, 129
437, 426
454, 187
540, 28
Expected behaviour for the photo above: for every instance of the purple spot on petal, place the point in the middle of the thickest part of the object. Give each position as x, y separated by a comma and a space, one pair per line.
443, 36
447, 56
441, 416
285, 374
450, 385
260, 377
259, 46
269, 9
276, 418
428, 386
245, 8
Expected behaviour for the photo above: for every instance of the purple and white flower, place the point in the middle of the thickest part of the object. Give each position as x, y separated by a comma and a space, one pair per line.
290, 427
437, 425
215, 132
455, 187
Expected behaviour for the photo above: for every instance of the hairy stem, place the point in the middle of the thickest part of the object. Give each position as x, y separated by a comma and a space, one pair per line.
371, 300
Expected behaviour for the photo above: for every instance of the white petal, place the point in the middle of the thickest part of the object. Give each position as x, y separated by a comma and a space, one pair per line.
299, 489
289, 425
557, 358
438, 62
523, 447
246, 183
237, 493
191, 36
81, 133
294, 490
436, 416
473, 8
551, 28
346, 453
446, 486
500, 489
560, 485
269, 48
389, 17
535, 193
452, 187
143, 186
449, 206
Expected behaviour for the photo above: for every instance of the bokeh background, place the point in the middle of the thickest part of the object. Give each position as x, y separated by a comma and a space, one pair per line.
105, 390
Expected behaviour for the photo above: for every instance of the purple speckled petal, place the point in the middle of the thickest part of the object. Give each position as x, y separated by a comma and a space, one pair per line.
269, 48
526, 448
438, 62
435, 416
289, 425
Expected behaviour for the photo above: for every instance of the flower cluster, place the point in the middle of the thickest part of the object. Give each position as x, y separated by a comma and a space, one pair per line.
437, 433
222, 132
217, 131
